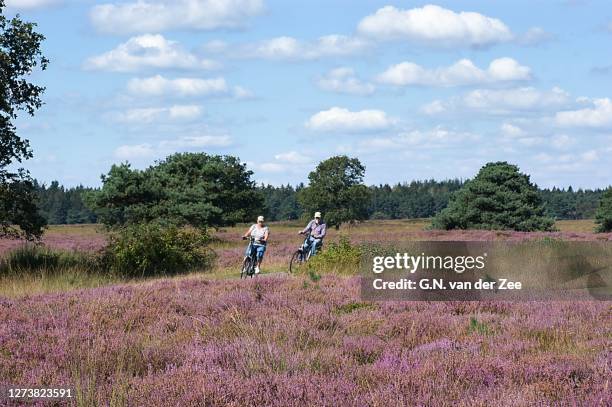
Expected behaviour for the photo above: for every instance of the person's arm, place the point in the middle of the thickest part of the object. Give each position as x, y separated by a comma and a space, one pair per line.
265, 239
307, 227
323, 231
248, 232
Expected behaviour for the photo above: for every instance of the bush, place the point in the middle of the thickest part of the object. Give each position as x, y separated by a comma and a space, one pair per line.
498, 198
603, 217
151, 249
31, 258
338, 257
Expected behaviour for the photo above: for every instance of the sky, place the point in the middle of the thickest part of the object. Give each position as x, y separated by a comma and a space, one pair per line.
415, 90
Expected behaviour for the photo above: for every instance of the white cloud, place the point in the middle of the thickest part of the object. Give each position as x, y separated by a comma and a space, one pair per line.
271, 167
339, 119
503, 101
507, 69
570, 162
462, 72
434, 25
241, 93
562, 141
289, 48
134, 152
436, 137
145, 16
433, 108
185, 87
166, 147
535, 36
30, 4
515, 99
343, 80
288, 162
293, 157
215, 46
600, 115
152, 114
147, 51
589, 156
510, 130
190, 142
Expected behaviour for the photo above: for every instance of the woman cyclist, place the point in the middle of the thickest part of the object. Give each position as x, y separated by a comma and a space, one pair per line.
259, 231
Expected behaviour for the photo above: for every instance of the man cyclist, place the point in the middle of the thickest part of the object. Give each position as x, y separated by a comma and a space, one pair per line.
318, 229
259, 231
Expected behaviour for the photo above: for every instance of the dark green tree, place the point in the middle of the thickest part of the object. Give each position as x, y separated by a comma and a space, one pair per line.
20, 54
499, 197
280, 202
193, 189
603, 217
336, 188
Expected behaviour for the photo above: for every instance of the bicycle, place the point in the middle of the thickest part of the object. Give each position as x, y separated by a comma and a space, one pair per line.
301, 255
250, 262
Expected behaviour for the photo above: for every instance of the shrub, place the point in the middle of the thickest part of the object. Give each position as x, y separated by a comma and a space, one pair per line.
151, 249
499, 197
32, 258
338, 257
603, 217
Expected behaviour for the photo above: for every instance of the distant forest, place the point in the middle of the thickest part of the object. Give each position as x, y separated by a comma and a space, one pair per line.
417, 199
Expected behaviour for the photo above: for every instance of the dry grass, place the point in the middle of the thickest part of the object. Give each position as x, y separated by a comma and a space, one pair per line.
579, 226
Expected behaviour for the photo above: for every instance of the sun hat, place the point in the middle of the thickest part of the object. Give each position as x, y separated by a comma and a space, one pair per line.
317, 214
260, 218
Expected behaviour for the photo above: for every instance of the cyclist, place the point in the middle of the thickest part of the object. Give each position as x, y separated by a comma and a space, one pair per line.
260, 232
318, 229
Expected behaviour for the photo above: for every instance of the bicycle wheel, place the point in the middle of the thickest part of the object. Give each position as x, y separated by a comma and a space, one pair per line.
247, 264
297, 260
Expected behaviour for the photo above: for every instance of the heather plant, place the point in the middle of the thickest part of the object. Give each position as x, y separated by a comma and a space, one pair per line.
603, 217
150, 249
274, 341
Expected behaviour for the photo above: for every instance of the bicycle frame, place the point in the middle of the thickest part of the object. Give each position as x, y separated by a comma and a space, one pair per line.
306, 244
249, 270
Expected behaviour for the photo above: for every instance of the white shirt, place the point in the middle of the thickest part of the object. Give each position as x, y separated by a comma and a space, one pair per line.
257, 232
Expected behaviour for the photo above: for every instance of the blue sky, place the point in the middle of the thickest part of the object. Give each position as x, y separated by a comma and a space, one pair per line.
415, 90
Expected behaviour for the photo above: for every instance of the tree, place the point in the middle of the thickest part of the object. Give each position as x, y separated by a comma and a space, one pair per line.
603, 217
19, 54
499, 197
280, 202
336, 189
193, 189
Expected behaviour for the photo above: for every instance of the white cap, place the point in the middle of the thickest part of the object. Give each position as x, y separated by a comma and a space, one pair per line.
260, 218
317, 214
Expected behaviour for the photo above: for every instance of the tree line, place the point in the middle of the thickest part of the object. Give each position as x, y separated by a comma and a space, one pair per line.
202, 191
416, 199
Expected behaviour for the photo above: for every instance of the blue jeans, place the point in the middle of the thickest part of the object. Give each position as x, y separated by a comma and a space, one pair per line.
314, 244
261, 249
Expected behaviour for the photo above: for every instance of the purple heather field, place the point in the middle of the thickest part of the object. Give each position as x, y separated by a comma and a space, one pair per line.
281, 340
285, 341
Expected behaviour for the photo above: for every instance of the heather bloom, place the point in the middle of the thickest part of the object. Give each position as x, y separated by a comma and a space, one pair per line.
276, 341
